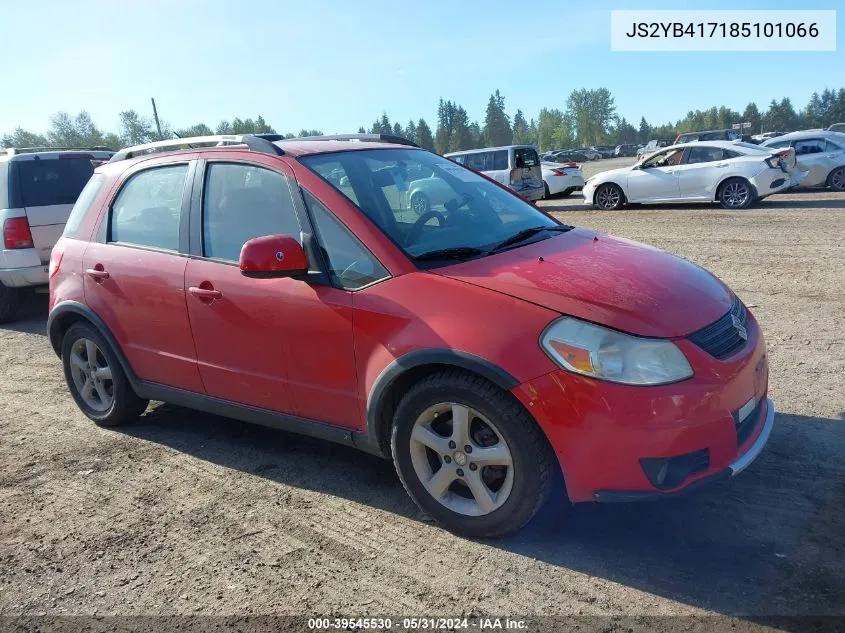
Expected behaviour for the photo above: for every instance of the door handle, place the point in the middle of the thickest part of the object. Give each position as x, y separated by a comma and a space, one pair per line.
205, 293
721, 165
98, 274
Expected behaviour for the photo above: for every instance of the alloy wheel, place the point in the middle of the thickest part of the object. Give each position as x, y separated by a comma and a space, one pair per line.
736, 195
608, 197
837, 179
461, 459
92, 375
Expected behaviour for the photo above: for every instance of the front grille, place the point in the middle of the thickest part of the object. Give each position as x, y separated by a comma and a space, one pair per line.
723, 338
745, 428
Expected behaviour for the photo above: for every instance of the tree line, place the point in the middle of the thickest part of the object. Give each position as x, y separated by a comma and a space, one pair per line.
588, 118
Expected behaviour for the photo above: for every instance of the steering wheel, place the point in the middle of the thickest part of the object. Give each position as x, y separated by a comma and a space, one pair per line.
416, 230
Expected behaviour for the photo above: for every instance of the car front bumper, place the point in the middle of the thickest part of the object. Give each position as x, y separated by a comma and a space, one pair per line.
607, 435
23, 277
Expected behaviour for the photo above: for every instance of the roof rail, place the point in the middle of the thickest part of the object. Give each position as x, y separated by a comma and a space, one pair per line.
11, 151
367, 138
253, 143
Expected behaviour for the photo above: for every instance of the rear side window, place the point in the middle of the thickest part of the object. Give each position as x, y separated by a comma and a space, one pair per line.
500, 159
480, 161
809, 146
146, 212
48, 181
703, 155
83, 203
242, 202
832, 147
779, 144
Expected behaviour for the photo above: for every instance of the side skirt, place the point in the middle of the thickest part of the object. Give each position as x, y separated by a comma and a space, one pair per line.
253, 415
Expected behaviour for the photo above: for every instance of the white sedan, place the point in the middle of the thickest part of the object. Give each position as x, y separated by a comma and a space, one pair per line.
733, 173
561, 178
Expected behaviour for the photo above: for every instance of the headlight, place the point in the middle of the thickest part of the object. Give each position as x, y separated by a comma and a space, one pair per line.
592, 350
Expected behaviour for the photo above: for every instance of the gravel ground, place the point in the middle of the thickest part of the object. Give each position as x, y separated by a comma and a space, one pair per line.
186, 513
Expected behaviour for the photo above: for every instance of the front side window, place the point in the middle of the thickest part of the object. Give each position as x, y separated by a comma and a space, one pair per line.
351, 266
146, 212
241, 202
666, 158
453, 210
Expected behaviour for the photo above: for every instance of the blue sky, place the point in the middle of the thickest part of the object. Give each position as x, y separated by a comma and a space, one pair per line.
335, 65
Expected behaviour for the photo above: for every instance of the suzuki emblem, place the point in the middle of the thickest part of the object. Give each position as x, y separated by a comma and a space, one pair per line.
740, 328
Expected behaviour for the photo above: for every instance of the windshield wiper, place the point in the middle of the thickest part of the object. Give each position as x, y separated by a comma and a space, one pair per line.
458, 252
526, 233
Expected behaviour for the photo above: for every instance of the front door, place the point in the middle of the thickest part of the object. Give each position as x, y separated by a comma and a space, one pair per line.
279, 344
656, 178
699, 172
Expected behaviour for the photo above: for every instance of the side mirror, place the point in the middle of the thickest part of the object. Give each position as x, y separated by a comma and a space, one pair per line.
273, 256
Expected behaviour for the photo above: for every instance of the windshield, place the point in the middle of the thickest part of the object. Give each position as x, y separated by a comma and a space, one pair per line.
52, 181
427, 204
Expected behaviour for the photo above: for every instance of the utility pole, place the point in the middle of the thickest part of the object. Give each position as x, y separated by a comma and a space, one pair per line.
155, 116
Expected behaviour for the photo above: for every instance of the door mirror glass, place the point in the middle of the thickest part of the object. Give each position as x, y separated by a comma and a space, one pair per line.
272, 256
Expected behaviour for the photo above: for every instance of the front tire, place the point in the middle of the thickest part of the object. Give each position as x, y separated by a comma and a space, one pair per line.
470, 455
608, 197
96, 379
735, 194
9, 303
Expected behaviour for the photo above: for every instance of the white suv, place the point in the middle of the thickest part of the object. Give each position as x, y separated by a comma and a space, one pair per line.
38, 188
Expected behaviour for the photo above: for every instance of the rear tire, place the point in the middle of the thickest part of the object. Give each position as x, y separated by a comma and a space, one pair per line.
608, 197
735, 194
9, 303
96, 379
493, 487
836, 180
546, 194
567, 192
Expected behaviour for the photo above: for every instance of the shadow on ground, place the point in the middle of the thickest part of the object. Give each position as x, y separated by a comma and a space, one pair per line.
32, 314
769, 542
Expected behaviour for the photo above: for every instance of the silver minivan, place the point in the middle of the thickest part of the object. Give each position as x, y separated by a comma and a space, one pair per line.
38, 188
819, 152
515, 166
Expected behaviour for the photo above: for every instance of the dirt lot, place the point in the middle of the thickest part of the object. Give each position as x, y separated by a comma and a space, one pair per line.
186, 513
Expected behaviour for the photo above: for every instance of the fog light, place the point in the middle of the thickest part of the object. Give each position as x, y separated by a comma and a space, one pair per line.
670, 472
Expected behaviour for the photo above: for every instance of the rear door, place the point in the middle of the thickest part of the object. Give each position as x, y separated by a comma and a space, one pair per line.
811, 156
700, 170
47, 188
135, 272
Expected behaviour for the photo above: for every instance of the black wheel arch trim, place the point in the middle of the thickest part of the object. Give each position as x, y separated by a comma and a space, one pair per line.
74, 307
374, 441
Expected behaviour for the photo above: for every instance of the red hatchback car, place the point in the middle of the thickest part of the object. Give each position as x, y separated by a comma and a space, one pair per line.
481, 345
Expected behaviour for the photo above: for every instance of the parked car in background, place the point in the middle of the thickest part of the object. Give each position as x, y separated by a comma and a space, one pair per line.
766, 136
589, 153
515, 166
836, 127
731, 173
489, 350
626, 149
708, 135
568, 156
561, 178
606, 151
820, 152
38, 188
652, 146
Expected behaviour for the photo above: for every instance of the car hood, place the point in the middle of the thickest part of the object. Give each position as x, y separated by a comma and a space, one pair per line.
610, 174
608, 280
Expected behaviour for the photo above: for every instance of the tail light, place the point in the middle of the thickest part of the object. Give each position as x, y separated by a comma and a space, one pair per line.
558, 172
16, 233
55, 261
